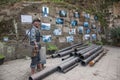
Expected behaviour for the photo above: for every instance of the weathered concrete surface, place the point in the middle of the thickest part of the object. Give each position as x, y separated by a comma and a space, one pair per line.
108, 68
13, 50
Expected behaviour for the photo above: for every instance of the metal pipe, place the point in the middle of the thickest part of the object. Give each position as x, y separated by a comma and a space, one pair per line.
67, 48
85, 50
65, 60
67, 64
42, 74
66, 57
86, 61
61, 54
80, 48
64, 49
91, 63
66, 52
87, 54
72, 53
71, 67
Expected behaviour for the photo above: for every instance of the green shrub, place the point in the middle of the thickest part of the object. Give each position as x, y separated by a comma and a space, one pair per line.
51, 47
2, 56
99, 43
88, 43
115, 35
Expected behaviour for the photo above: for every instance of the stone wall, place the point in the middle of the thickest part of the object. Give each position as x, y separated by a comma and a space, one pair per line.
7, 50
13, 14
35, 10
116, 9
116, 22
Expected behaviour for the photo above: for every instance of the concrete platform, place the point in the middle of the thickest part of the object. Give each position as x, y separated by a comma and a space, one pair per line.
108, 68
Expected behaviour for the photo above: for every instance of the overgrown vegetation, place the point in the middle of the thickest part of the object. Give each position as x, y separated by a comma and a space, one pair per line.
6, 29
99, 43
102, 20
115, 35
51, 47
2, 2
2, 56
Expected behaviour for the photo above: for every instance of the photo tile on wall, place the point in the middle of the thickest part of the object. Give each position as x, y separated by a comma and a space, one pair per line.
26, 18
93, 26
46, 38
59, 21
45, 11
87, 16
80, 29
94, 36
96, 17
87, 36
69, 38
72, 31
87, 31
76, 14
5, 38
86, 24
45, 26
63, 13
73, 23
57, 31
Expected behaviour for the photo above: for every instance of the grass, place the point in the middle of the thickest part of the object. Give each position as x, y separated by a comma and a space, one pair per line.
2, 56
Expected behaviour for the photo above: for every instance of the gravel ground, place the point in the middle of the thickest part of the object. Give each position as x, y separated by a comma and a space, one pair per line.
108, 68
